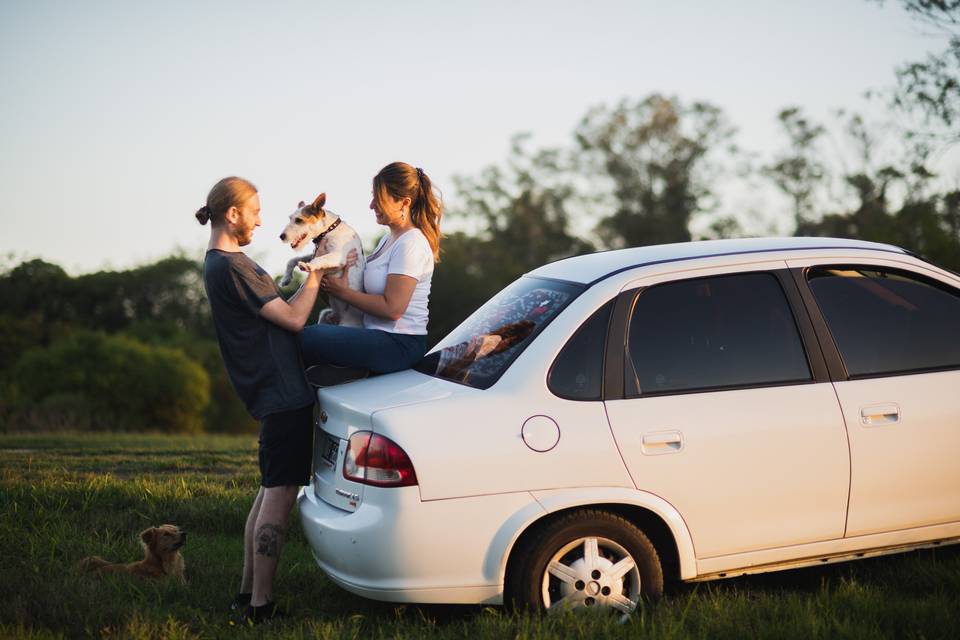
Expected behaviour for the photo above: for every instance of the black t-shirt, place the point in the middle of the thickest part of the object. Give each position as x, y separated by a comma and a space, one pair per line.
262, 359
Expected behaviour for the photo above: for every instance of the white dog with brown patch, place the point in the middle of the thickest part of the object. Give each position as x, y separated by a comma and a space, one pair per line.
333, 239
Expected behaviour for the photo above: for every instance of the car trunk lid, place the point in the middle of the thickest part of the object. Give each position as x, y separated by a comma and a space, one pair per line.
348, 408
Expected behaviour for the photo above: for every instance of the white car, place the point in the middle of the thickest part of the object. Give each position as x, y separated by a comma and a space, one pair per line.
611, 421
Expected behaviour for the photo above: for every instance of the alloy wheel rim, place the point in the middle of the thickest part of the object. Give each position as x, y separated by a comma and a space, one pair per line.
591, 572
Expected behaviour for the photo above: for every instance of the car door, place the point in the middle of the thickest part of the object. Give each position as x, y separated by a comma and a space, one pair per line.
897, 333
725, 416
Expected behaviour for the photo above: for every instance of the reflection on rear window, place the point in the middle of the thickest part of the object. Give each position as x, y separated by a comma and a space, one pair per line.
478, 351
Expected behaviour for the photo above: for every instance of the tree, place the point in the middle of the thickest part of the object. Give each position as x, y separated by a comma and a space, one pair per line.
521, 215
169, 290
160, 304
525, 210
915, 218
461, 283
798, 171
656, 158
930, 89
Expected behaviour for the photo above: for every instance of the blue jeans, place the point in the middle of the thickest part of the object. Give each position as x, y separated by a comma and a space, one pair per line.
379, 351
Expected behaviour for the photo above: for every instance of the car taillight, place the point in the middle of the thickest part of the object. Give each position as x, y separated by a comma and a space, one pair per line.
373, 459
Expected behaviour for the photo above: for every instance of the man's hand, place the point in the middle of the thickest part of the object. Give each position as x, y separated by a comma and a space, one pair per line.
293, 315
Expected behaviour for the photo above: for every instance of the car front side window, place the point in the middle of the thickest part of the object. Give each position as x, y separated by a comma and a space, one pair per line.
713, 333
888, 321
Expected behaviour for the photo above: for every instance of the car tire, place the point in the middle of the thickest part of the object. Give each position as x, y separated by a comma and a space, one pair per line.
586, 558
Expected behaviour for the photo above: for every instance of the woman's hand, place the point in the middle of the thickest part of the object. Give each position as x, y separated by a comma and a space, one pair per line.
389, 305
334, 285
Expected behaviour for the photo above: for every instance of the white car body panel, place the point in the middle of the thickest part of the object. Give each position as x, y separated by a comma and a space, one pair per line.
744, 263
360, 399
728, 452
666, 257
561, 499
399, 548
921, 446
349, 408
480, 486
905, 474
475, 424
493, 434
821, 552
880, 259
720, 480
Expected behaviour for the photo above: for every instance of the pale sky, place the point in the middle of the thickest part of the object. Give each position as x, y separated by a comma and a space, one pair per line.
116, 118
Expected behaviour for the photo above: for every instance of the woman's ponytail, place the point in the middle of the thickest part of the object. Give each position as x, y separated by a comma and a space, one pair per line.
426, 211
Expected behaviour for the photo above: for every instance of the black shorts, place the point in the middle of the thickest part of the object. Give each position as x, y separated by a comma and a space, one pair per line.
286, 447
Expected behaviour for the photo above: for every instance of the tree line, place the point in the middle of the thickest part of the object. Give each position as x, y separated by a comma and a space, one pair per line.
135, 349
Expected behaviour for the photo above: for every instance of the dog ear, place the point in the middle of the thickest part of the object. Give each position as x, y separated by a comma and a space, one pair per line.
320, 201
147, 535
300, 206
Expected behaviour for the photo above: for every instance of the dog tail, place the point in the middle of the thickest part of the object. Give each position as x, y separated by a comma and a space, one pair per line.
93, 563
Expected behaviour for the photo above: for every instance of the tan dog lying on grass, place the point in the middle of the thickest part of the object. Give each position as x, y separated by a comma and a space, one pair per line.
161, 555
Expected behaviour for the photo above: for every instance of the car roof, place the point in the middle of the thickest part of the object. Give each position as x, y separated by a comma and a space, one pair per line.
592, 267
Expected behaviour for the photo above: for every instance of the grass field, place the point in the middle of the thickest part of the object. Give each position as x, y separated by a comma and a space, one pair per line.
63, 497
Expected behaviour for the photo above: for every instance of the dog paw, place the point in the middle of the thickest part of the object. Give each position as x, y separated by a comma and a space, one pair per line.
328, 316
286, 280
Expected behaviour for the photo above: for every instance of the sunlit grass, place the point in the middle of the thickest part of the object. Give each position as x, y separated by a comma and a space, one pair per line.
65, 496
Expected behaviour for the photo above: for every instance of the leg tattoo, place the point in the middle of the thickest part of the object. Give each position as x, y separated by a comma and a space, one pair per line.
268, 540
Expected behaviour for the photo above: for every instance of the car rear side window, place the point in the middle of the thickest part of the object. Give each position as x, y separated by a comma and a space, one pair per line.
577, 373
887, 321
713, 333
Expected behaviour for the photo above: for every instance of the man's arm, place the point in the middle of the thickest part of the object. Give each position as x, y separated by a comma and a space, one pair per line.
292, 314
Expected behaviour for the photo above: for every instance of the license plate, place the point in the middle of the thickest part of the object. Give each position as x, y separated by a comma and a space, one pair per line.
330, 448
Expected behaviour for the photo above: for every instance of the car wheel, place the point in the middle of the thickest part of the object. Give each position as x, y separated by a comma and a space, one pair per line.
585, 559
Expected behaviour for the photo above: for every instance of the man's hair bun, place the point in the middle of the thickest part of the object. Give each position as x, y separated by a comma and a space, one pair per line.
229, 192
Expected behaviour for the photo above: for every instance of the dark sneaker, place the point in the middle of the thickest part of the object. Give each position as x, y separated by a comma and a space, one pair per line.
327, 375
240, 601
263, 613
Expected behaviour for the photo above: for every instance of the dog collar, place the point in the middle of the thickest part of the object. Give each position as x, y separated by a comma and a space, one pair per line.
328, 230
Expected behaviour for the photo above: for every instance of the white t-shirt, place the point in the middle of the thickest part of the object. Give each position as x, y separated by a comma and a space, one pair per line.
409, 255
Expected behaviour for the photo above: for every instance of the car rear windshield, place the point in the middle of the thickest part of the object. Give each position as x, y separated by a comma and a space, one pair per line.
478, 351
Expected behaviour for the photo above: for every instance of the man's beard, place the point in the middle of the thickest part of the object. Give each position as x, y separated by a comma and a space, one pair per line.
244, 236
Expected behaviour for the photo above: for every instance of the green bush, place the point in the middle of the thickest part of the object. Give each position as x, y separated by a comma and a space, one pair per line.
100, 382
225, 413
18, 334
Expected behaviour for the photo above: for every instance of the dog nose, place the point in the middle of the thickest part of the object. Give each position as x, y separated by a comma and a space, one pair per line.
283, 237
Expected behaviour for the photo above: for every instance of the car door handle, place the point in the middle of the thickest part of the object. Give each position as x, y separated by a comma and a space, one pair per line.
660, 442
879, 414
